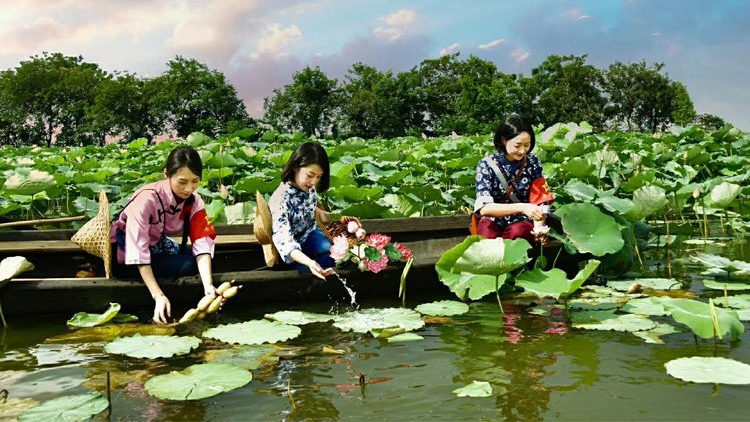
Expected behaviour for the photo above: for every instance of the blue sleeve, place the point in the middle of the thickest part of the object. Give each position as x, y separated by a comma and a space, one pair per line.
282, 235
483, 184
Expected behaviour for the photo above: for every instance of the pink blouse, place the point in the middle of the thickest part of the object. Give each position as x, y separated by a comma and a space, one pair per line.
153, 212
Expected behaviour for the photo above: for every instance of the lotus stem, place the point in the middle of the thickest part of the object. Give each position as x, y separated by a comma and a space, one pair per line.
109, 395
289, 393
726, 296
557, 256
637, 250
2, 316
497, 294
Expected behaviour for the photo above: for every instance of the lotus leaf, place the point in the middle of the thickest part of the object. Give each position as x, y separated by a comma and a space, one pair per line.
28, 184
13, 266
493, 257
152, 347
387, 332
244, 356
697, 316
554, 282
596, 303
83, 319
298, 317
253, 332
644, 306
66, 408
653, 335
712, 370
590, 230
724, 194
716, 261
404, 337
198, 382
464, 285
615, 204
581, 191
608, 320
649, 283
475, 389
728, 285
368, 319
109, 332
12, 408
737, 301
647, 201
443, 307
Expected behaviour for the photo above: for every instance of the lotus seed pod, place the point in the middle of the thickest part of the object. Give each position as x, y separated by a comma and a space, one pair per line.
215, 305
223, 287
189, 315
230, 292
634, 288
200, 315
205, 302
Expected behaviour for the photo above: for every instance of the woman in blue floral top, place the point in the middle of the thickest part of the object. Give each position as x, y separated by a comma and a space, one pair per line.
509, 213
293, 205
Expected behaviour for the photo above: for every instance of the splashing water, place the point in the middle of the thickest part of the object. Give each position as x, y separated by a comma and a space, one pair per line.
352, 293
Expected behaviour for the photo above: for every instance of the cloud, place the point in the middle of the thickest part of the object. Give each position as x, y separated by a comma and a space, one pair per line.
575, 14
491, 44
449, 49
275, 39
398, 24
519, 55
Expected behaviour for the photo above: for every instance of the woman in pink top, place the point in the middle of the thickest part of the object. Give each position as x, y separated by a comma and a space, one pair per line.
160, 209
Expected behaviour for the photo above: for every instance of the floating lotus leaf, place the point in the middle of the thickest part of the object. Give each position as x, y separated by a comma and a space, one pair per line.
121, 318
696, 315
493, 257
12, 408
608, 320
387, 332
84, 319
404, 337
648, 283
465, 285
298, 317
110, 332
443, 307
727, 285
589, 229
716, 261
709, 370
152, 347
644, 306
66, 408
475, 389
253, 332
736, 301
596, 303
601, 291
647, 201
244, 356
724, 194
198, 382
554, 282
367, 319
653, 335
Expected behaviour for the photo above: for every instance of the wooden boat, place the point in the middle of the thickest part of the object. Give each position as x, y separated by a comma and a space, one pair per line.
52, 287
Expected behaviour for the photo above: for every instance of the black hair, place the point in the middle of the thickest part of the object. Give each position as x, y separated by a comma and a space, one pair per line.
512, 126
184, 156
307, 154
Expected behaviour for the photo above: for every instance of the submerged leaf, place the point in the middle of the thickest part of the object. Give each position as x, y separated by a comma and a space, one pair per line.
653, 335
243, 356
649, 283
198, 382
404, 337
608, 320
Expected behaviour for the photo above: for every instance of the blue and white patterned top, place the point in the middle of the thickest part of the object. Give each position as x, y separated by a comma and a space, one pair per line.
490, 191
293, 215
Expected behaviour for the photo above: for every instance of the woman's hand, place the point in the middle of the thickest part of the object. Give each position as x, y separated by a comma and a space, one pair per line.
318, 271
209, 290
532, 211
162, 309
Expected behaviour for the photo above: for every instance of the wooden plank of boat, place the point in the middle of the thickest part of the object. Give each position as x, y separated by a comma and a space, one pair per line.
67, 246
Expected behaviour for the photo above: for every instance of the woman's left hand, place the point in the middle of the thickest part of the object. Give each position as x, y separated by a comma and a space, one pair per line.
209, 290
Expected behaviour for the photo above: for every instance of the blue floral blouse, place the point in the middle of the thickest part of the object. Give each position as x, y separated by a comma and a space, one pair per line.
293, 215
490, 191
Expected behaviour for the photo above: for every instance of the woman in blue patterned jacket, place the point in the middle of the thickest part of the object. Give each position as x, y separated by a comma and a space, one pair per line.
296, 235
506, 208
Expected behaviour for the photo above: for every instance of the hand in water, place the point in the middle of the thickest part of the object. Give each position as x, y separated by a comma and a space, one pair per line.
162, 309
318, 271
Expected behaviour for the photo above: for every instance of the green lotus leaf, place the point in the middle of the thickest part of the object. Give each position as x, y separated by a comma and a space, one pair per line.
243, 356
222, 159
647, 201
13, 266
579, 167
34, 182
716, 261
653, 335
736, 301
66, 408
612, 203
475, 389
152, 347
608, 320
644, 306
590, 230
109, 332
404, 337
649, 283
493, 257
250, 184
198, 382
464, 285
581, 191
696, 315
366, 320
709, 370
387, 332
12, 408
443, 308
298, 317
121, 318
84, 319
240, 213
728, 285
724, 194
253, 332
554, 282
596, 303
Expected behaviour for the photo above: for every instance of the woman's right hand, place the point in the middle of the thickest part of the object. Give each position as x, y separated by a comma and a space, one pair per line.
533, 211
318, 271
162, 309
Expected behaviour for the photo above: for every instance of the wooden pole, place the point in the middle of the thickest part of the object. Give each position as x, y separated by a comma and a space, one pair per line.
42, 222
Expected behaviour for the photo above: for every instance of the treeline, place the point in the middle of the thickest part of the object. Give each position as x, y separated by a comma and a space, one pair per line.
445, 95
74, 102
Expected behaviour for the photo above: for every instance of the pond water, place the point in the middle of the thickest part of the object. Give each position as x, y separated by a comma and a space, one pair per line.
538, 369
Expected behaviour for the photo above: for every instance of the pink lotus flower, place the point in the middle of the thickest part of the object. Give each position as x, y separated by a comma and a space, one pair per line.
378, 240
340, 248
361, 233
352, 226
223, 191
405, 252
377, 266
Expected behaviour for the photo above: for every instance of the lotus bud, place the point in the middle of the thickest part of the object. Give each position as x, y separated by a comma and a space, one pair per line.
362, 266
361, 233
355, 259
352, 226
696, 193
223, 191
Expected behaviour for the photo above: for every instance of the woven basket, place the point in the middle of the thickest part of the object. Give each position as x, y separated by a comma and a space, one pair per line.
263, 228
93, 237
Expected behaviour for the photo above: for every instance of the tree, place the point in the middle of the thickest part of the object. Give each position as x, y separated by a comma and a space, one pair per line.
193, 98
683, 111
309, 104
566, 89
711, 122
437, 91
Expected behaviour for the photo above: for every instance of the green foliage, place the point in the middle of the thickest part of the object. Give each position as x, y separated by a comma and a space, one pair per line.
198, 382
697, 316
554, 282
153, 346
66, 409
253, 332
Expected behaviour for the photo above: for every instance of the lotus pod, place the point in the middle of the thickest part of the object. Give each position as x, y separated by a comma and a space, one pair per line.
189, 315
223, 287
230, 292
200, 315
215, 305
205, 302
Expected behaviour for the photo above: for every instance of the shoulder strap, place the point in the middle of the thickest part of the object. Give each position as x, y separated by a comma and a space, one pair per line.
501, 177
187, 209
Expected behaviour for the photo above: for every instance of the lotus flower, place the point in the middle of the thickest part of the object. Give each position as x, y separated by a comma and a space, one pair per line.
378, 240
405, 252
223, 191
352, 226
340, 248
360, 233
377, 266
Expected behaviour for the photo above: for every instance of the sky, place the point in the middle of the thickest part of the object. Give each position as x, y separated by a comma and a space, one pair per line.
259, 44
